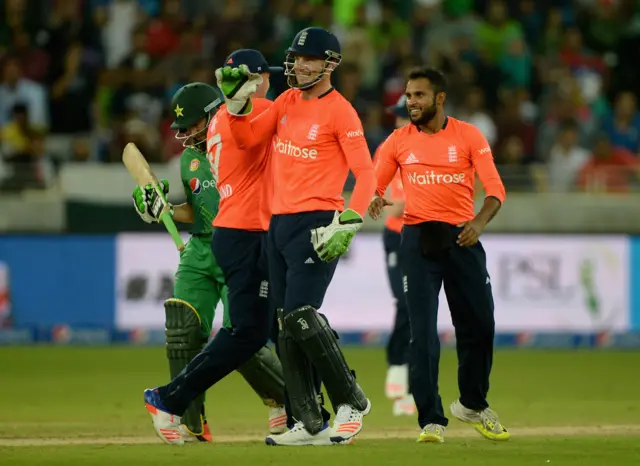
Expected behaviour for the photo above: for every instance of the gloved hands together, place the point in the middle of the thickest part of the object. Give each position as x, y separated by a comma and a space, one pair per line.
149, 204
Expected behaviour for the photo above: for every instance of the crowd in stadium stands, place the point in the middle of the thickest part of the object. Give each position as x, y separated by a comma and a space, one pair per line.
553, 85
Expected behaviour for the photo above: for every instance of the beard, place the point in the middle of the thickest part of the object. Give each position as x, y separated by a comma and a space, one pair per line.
427, 115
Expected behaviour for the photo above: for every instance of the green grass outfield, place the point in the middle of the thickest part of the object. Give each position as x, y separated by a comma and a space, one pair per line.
62, 405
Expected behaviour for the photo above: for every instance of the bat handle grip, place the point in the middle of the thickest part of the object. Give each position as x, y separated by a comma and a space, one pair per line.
165, 217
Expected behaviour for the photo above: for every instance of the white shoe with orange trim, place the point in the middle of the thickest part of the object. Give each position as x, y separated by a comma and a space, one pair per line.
348, 423
166, 425
405, 406
397, 382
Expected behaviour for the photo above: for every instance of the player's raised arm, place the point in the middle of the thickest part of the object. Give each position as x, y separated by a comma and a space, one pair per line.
354, 145
238, 85
385, 168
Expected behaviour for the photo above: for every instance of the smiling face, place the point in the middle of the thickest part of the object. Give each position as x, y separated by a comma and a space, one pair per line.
308, 69
422, 101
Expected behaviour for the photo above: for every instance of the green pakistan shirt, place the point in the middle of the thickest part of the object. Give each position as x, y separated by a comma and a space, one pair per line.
200, 188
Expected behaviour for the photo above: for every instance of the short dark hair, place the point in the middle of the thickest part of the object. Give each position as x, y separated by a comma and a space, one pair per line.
435, 76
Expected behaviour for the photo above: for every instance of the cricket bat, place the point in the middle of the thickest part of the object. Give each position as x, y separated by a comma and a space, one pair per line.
141, 173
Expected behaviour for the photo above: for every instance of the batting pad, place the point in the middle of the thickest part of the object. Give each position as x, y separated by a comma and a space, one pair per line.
298, 377
184, 341
314, 336
263, 372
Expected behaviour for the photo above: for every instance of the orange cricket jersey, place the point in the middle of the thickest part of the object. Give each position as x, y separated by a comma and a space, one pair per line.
243, 177
316, 142
396, 193
438, 171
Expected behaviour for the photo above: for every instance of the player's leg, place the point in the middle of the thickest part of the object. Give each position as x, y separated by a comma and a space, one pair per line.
238, 254
301, 389
188, 317
307, 280
422, 280
263, 371
397, 382
468, 289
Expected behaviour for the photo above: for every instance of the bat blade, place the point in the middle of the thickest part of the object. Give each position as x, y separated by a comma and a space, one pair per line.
141, 172
138, 166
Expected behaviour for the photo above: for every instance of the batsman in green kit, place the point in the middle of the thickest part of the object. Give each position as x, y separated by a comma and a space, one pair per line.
199, 282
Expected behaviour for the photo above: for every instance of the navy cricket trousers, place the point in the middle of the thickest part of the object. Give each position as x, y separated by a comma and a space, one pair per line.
241, 255
467, 286
297, 276
398, 344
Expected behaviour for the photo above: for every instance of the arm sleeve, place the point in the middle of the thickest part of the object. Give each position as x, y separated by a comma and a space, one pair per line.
354, 146
249, 132
185, 184
397, 189
482, 160
386, 165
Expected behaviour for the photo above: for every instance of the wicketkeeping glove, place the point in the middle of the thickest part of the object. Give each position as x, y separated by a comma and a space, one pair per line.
148, 204
333, 240
237, 86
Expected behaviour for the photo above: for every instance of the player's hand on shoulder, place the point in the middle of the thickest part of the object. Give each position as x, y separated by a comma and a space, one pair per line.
149, 204
377, 206
237, 85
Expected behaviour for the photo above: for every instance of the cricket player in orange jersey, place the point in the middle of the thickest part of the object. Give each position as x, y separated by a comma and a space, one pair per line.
438, 157
397, 380
243, 179
316, 138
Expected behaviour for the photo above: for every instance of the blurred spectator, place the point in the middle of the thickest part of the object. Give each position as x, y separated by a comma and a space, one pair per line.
497, 31
566, 158
473, 111
610, 169
23, 147
623, 127
515, 175
34, 61
15, 88
16, 134
98, 73
163, 33
138, 58
550, 41
73, 85
121, 17
175, 67
350, 85
512, 123
516, 64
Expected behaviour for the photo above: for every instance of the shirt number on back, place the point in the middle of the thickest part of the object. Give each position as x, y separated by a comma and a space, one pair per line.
214, 159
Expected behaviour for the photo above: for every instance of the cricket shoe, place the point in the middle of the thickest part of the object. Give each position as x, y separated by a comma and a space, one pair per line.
432, 433
486, 421
298, 435
396, 385
405, 406
348, 423
166, 425
277, 420
190, 437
